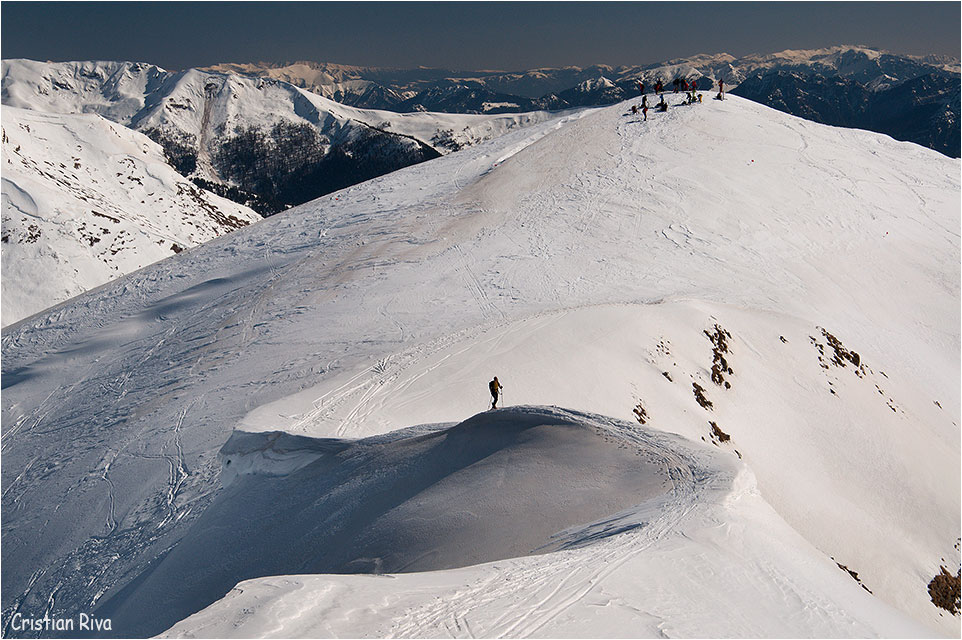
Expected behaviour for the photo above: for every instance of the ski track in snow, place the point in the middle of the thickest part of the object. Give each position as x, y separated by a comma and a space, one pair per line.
562, 578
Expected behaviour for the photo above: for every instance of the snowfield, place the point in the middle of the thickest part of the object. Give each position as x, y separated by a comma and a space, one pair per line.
85, 201
729, 341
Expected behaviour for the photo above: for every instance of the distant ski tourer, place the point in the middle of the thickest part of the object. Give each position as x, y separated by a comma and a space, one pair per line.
495, 388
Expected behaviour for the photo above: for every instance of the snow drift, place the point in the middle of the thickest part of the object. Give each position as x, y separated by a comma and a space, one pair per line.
502, 484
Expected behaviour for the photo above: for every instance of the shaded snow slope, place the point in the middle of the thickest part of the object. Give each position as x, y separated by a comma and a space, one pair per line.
711, 559
502, 484
579, 260
85, 201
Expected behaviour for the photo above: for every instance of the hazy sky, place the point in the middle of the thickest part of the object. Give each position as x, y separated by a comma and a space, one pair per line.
462, 35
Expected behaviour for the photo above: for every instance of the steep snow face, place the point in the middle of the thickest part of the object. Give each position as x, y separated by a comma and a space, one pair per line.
116, 90
785, 291
86, 201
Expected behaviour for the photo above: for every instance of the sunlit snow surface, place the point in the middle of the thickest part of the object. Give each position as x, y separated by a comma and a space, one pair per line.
591, 263
85, 201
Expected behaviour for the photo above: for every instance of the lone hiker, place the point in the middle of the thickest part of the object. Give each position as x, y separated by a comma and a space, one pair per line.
495, 388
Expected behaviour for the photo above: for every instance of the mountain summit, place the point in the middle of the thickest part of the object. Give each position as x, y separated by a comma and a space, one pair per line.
907, 97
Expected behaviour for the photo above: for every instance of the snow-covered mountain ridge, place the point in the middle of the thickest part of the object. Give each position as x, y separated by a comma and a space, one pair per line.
924, 109
342, 82
275, 143
782, 295
928, 112
258, 142
86, 200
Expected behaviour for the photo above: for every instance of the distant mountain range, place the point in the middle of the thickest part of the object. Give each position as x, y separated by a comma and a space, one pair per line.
924, 109
845, 85
262, 142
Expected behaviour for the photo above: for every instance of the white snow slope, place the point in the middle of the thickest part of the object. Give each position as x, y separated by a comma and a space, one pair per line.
776, 300
86, 200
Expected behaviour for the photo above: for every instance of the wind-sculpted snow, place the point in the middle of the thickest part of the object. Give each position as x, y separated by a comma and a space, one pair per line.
502, 484
592, 263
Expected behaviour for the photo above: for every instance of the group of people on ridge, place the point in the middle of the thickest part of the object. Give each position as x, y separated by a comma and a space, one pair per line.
682, 83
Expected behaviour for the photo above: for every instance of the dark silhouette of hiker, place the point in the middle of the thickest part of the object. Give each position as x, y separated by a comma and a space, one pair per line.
495, 388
